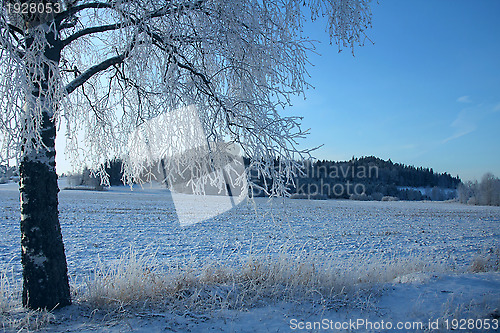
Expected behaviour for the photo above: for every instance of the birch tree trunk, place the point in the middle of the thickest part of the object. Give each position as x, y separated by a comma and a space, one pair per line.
45, 273
45, 279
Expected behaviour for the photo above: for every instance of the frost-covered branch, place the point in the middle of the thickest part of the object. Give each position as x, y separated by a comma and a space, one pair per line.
93, 30
81, 79
169, 10
73, 10
122, 64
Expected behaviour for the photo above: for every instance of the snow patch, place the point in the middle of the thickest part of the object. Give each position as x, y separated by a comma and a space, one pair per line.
416, 277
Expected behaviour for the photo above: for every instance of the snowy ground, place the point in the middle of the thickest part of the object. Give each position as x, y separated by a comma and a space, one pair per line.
445, 238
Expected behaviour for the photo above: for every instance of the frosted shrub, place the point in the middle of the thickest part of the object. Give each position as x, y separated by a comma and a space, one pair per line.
132, 279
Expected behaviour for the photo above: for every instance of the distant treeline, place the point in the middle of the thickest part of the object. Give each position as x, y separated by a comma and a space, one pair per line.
365, 178
87, 179
371, 178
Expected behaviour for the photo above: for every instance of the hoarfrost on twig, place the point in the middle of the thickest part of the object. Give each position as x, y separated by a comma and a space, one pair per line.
123, 63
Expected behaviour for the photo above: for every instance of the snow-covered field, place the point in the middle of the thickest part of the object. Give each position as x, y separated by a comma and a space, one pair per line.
383, 262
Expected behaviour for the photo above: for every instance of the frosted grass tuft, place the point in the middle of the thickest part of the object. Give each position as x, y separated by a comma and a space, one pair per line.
244, 281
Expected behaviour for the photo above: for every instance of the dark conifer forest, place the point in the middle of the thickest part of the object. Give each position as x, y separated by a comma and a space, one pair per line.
370, 178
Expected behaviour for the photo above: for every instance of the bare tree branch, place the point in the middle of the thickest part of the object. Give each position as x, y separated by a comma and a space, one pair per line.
94, 30
16, 29
82, 78
154, 14
75, 9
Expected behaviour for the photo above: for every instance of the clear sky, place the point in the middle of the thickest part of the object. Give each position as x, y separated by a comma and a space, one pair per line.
426, 93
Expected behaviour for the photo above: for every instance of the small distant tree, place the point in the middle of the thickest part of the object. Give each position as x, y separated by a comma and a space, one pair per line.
466, 191
107, 67
487, 192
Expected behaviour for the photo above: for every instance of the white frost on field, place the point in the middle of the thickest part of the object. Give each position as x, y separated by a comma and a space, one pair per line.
447, 235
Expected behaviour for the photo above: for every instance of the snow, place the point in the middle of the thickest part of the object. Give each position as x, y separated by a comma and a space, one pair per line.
442, 237
427, 191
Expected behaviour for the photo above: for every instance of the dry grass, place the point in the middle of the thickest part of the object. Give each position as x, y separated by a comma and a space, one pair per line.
138, 281
486, 261
13, 316
8, 291
242, 283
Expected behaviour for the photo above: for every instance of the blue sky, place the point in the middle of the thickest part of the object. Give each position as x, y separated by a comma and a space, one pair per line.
426, 93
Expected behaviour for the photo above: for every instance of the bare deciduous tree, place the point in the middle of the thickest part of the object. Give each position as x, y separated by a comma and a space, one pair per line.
104, 68
486, 193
